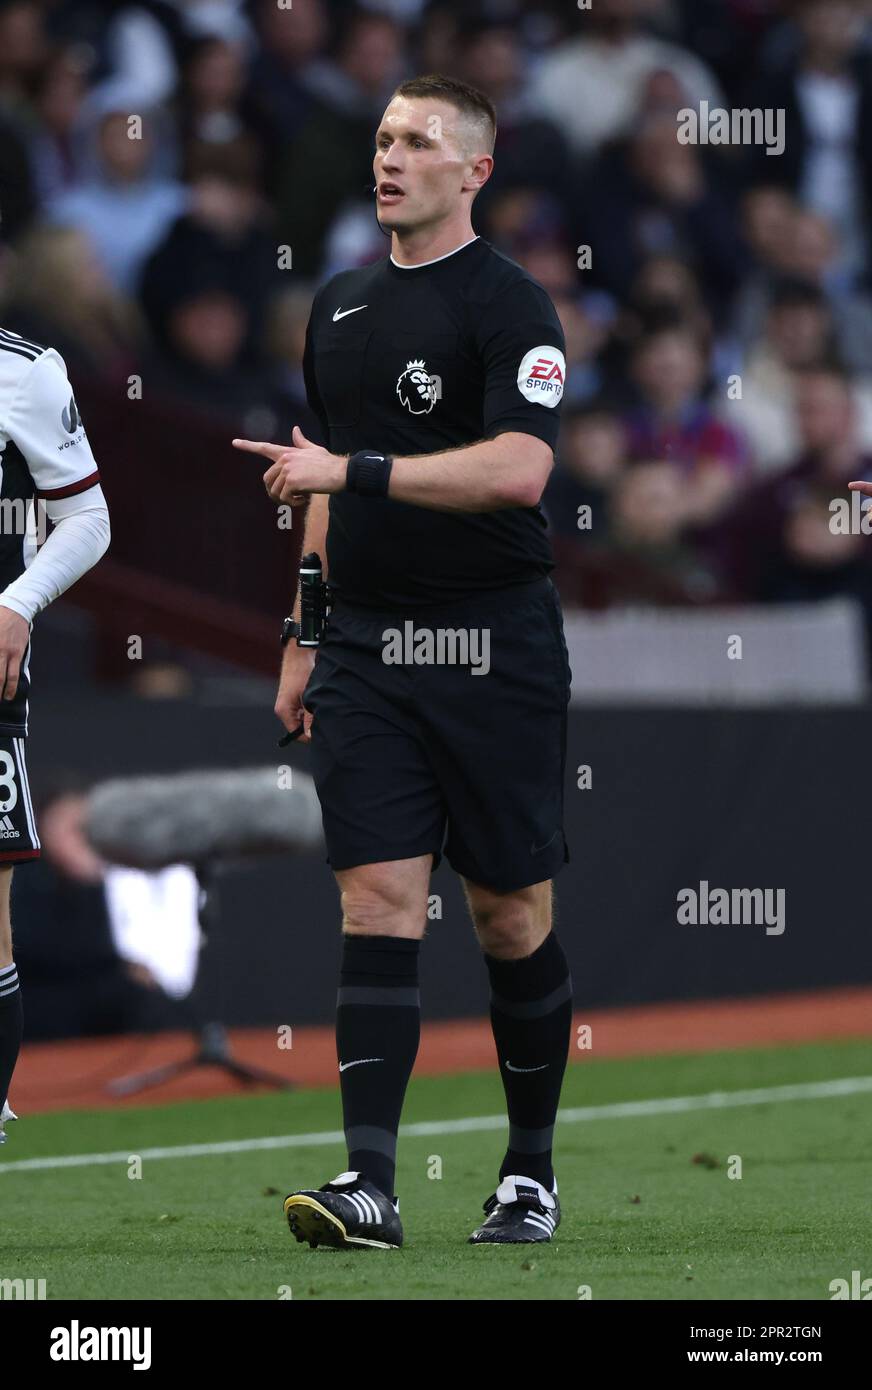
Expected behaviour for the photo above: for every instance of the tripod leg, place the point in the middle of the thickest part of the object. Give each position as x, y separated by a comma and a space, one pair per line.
255, 1076
142, 1081
214, 1051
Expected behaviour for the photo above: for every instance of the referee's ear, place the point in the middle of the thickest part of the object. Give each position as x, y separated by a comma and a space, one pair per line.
300, 440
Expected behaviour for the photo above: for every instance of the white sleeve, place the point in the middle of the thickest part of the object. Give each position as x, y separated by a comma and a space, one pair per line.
43, 420
79, 538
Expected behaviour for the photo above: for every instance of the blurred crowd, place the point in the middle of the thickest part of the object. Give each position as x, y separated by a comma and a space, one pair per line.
176, 176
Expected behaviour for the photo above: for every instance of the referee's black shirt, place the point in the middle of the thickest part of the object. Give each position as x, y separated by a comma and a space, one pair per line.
417, 360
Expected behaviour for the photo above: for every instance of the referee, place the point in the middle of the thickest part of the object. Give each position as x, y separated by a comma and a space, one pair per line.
437, 701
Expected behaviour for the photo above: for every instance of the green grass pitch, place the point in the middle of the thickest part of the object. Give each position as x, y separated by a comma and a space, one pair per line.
642, 1220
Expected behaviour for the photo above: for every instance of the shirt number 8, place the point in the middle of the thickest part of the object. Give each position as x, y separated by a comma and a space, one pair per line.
8, 789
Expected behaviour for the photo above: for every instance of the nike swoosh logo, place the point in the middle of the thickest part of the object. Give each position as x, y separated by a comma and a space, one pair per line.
509, 1067
341, 314
343, 1066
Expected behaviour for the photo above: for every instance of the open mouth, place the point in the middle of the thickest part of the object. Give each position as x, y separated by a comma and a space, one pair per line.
389, 193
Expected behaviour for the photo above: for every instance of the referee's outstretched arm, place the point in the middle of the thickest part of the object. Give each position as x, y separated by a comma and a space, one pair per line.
508, 471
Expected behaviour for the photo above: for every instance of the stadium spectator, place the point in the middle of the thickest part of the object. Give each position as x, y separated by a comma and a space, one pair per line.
520, 218
808, 251
137, 48
211, 103
825, 90
590, 86
666, 285
827, 417
729, 36
656, 197
673, 421
766, 212
58, 292
799, 333
55, 146
763, 541
530, 150
666, 293
207, 292
551, 262
224, 242
591, 459
329, 156
811, 562
280, 94
204, 364
646, 556
123, 206
18, 195
23, 52
587, 322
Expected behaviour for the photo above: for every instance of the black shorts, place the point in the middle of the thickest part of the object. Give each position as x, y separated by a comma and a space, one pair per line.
18, 837
412, 758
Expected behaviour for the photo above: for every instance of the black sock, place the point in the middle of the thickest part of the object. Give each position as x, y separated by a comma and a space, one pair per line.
378, 1025
11, 1026
531, 1015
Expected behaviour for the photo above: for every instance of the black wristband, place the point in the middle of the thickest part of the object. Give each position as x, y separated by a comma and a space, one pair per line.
368, 474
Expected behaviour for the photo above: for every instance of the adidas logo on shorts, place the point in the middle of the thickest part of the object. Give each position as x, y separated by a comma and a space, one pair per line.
7, 829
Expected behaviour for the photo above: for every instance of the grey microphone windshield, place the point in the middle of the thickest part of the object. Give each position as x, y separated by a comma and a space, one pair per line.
200, 817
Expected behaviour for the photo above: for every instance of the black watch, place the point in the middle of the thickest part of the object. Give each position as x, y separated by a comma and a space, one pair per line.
290, 628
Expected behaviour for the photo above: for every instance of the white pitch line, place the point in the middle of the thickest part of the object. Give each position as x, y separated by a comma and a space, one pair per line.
618, 1110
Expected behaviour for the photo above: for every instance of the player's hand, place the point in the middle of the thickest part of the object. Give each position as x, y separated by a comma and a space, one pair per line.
296, 471
865, 488
14, 637
296, 670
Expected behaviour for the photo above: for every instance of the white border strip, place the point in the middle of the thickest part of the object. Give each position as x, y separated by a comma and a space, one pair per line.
18, 747
632, 1109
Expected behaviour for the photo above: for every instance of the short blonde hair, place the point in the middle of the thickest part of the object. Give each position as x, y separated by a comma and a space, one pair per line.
478, 109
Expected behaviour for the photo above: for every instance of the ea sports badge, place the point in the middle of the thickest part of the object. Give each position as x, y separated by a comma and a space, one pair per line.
541, 376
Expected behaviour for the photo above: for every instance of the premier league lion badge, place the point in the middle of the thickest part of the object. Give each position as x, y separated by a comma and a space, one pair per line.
417, 389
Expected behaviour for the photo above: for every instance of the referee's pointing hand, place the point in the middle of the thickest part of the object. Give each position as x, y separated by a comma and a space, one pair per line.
299, 469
